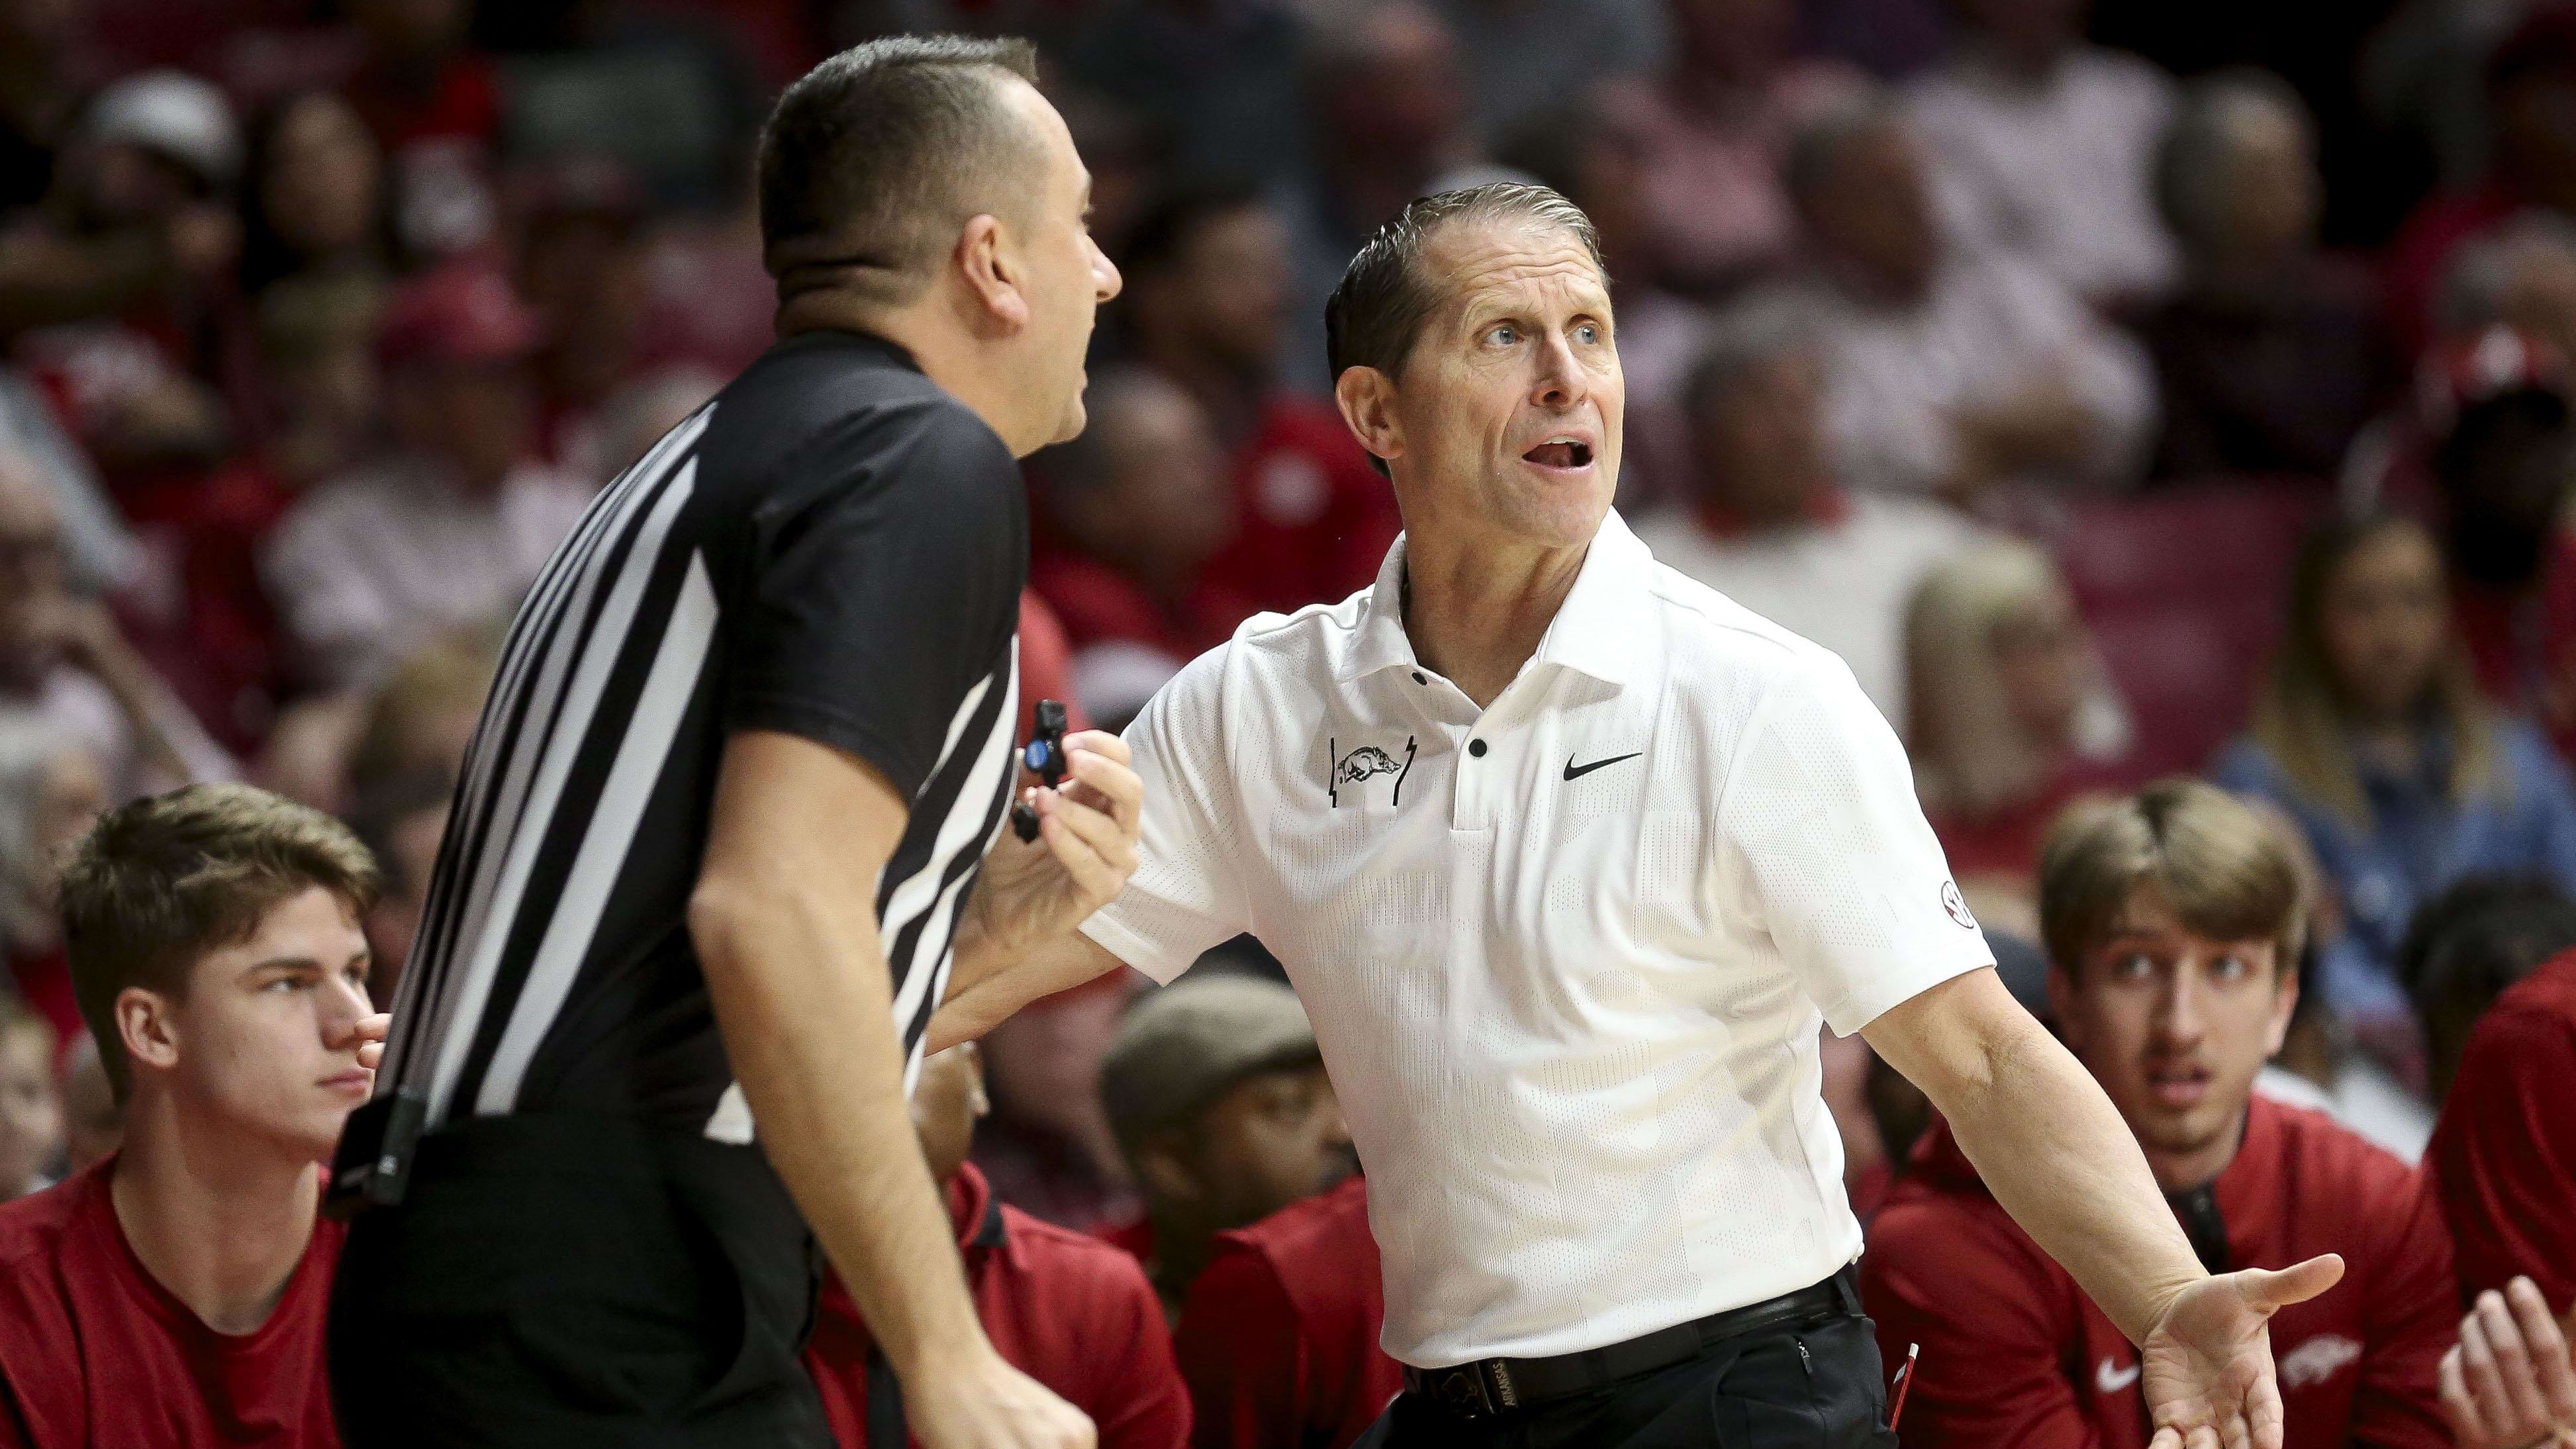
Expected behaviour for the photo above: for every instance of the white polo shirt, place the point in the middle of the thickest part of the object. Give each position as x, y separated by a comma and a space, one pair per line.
1566, 955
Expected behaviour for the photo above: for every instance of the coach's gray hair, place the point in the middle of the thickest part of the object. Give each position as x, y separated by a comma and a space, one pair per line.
2477, 287
872, 160
2195, 165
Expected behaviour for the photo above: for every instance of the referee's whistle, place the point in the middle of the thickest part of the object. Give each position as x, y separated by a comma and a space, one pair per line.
1043, 757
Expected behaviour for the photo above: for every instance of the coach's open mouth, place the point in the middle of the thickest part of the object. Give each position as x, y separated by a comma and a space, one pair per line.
1560, 453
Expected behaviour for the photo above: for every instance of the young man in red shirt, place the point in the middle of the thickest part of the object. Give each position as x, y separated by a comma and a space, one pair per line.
173, 1293
1065, 1308
2172, 919
1278, 1338
2502, 1162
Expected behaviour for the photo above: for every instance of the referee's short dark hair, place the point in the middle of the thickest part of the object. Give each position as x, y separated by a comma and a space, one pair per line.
1386, 294
870, 161
159, 882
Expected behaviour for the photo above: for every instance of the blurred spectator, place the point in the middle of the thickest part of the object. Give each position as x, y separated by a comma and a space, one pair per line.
434, 104
1527, 54
1594, 152
2522, 275
1217, 1092
1765, 522
1218, 83
2323, 1067
31, 1104
2370, 731
1278, 1338
2172, 918
334, 752
64, 660
93, 1121
51, 788
174, 1293
2504, 1151
1049, 1150
314, 198
138, 378
2466, 946
582, 266
1388, 107
451, 527
1948, 370
1890, 39
1715, 130
2274, 354
2046, 149
1209, 283
2530, 90
1142, 505
1064, 1308
2012, 717
633, 418
402, 819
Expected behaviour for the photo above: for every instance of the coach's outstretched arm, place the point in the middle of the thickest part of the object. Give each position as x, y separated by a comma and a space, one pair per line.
2059, 1158
784, 921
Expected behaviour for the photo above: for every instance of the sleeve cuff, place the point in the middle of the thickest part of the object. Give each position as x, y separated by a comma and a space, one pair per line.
826, 726
1127, 945
1894, 988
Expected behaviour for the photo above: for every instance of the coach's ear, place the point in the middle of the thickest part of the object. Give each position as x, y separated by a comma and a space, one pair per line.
1366, 397
990, 265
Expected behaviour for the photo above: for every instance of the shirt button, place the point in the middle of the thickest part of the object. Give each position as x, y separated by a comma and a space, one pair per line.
1476, 748
1418, 679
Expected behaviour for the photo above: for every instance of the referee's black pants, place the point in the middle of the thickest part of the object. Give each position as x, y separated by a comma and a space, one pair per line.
577, 1281
1815, 1386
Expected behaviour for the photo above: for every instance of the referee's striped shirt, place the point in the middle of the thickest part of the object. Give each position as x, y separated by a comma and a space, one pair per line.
832, 548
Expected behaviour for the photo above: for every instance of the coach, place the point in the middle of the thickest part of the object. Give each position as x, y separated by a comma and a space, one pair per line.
727, 810
1567, 856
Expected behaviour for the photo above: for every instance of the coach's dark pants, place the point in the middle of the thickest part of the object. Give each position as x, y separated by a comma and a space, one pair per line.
577, 1281
1791, 1387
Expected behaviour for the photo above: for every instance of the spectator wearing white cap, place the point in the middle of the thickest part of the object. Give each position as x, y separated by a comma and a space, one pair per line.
1217, 1092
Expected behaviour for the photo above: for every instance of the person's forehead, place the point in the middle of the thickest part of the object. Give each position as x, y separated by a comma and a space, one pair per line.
1055, 139
1482, 264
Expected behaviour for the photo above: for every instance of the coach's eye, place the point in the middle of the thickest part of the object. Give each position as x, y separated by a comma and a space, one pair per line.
1589, 332
1503, 334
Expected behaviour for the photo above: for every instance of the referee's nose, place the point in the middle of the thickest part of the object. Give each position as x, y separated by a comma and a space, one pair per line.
1106, 282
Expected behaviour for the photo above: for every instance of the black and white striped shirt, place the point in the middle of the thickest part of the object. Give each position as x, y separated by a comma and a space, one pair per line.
833, 548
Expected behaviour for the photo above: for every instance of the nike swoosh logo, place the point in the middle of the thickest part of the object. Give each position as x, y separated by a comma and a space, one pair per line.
2112, 1380
1574, 771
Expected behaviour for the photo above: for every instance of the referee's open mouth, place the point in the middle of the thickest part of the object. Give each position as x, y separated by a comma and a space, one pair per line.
1564, 452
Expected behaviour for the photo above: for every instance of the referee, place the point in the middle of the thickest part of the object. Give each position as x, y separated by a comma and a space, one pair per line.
723, 819
1568, 857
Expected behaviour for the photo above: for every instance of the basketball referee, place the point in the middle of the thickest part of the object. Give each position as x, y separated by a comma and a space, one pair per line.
725, 814
1568, 857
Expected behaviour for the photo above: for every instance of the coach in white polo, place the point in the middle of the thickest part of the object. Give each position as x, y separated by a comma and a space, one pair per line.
1567, 857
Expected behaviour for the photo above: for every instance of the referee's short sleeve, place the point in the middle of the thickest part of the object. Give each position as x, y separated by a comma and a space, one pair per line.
1185, 895
883, 584
1819, 826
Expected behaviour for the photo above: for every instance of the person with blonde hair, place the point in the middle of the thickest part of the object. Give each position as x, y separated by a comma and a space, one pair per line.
2370, 731
2011, 714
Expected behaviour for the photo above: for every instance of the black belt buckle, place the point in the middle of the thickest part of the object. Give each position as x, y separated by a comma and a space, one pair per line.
1471, 1390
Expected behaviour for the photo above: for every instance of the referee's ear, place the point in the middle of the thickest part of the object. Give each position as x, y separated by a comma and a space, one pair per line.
1366, 397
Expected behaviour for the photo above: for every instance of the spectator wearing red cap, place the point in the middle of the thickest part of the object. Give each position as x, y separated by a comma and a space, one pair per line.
581, 263
450, 528
1070, 1311
2503, 1158
1209, 286
2172, 918
1278, 1338
434, 103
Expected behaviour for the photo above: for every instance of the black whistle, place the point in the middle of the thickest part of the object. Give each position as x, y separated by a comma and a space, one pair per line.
1043, 757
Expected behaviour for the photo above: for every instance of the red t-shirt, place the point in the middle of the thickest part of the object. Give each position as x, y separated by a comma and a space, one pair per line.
96, 1354
1067, 1310
2014, 1353
2502, 1163
1279, 1337
1315, 520
1099, 605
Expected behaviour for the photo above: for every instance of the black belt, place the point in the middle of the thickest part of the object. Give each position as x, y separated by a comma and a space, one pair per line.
1493, 1385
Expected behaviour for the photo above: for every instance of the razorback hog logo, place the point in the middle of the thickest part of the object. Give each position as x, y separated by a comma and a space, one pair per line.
1366, 762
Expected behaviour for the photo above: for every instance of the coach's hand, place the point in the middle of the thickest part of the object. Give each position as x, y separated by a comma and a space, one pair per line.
1035, 891
2208, 1359
987, 1404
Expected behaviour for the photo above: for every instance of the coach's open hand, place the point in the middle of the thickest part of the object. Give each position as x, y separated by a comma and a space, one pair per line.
1032, 892
2208, 1359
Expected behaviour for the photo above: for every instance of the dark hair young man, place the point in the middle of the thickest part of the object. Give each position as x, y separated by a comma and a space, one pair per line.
2173, 919
172, 1293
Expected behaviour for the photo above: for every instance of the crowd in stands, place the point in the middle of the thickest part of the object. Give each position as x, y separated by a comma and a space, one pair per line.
2125, 390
